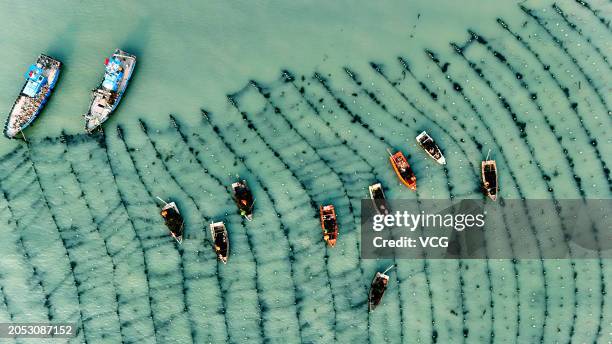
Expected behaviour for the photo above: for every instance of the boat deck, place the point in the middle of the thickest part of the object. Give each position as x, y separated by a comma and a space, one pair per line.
26, 108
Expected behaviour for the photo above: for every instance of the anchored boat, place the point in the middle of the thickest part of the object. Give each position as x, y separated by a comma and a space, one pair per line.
106, 97
430, 147
329, 224
489, 177
40, 81
378, 199
402, 169
244, 199
220, 240
173, 219
378, 288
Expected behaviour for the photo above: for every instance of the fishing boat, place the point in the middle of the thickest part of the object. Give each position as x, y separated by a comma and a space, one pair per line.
378, 288
329, 224
489, 177
173, 219
402, 169
106, 97
430, 147
378, 199
40, 82
244, 199
220, 240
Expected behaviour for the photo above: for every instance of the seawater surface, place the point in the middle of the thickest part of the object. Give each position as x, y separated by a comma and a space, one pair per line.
301, 100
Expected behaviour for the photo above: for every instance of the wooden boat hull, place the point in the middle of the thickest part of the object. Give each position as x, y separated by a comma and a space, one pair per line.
329, 224
430, 147
377, 290
244, 199
488, 172
402, 169
177, 236
378, 198
220, 239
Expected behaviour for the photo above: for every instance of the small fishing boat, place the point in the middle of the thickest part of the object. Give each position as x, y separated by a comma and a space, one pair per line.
173, 219
378, 199
378, 288
106, 97
244, 199
402, 169
489, 177
220, 240
329, 224
431, 148
40, 82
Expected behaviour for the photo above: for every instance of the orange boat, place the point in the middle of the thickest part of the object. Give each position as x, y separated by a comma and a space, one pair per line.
329, 224
403, 170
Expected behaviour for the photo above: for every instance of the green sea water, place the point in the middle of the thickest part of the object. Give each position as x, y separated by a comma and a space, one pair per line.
192, 54
301, 99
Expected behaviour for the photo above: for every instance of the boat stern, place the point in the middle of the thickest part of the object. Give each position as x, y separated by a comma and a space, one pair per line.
91, 126
9, 132
411, 185
179, 239
371, 306
94, 119
331, 242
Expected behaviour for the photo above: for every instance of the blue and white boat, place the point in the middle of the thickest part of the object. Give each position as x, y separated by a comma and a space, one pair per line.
40, 81
106, 97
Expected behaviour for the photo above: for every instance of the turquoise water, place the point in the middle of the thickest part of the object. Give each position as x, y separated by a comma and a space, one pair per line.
301, 100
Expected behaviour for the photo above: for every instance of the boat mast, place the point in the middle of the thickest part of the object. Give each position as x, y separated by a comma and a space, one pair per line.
123, 55
389, 268
164, 202
488, 154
